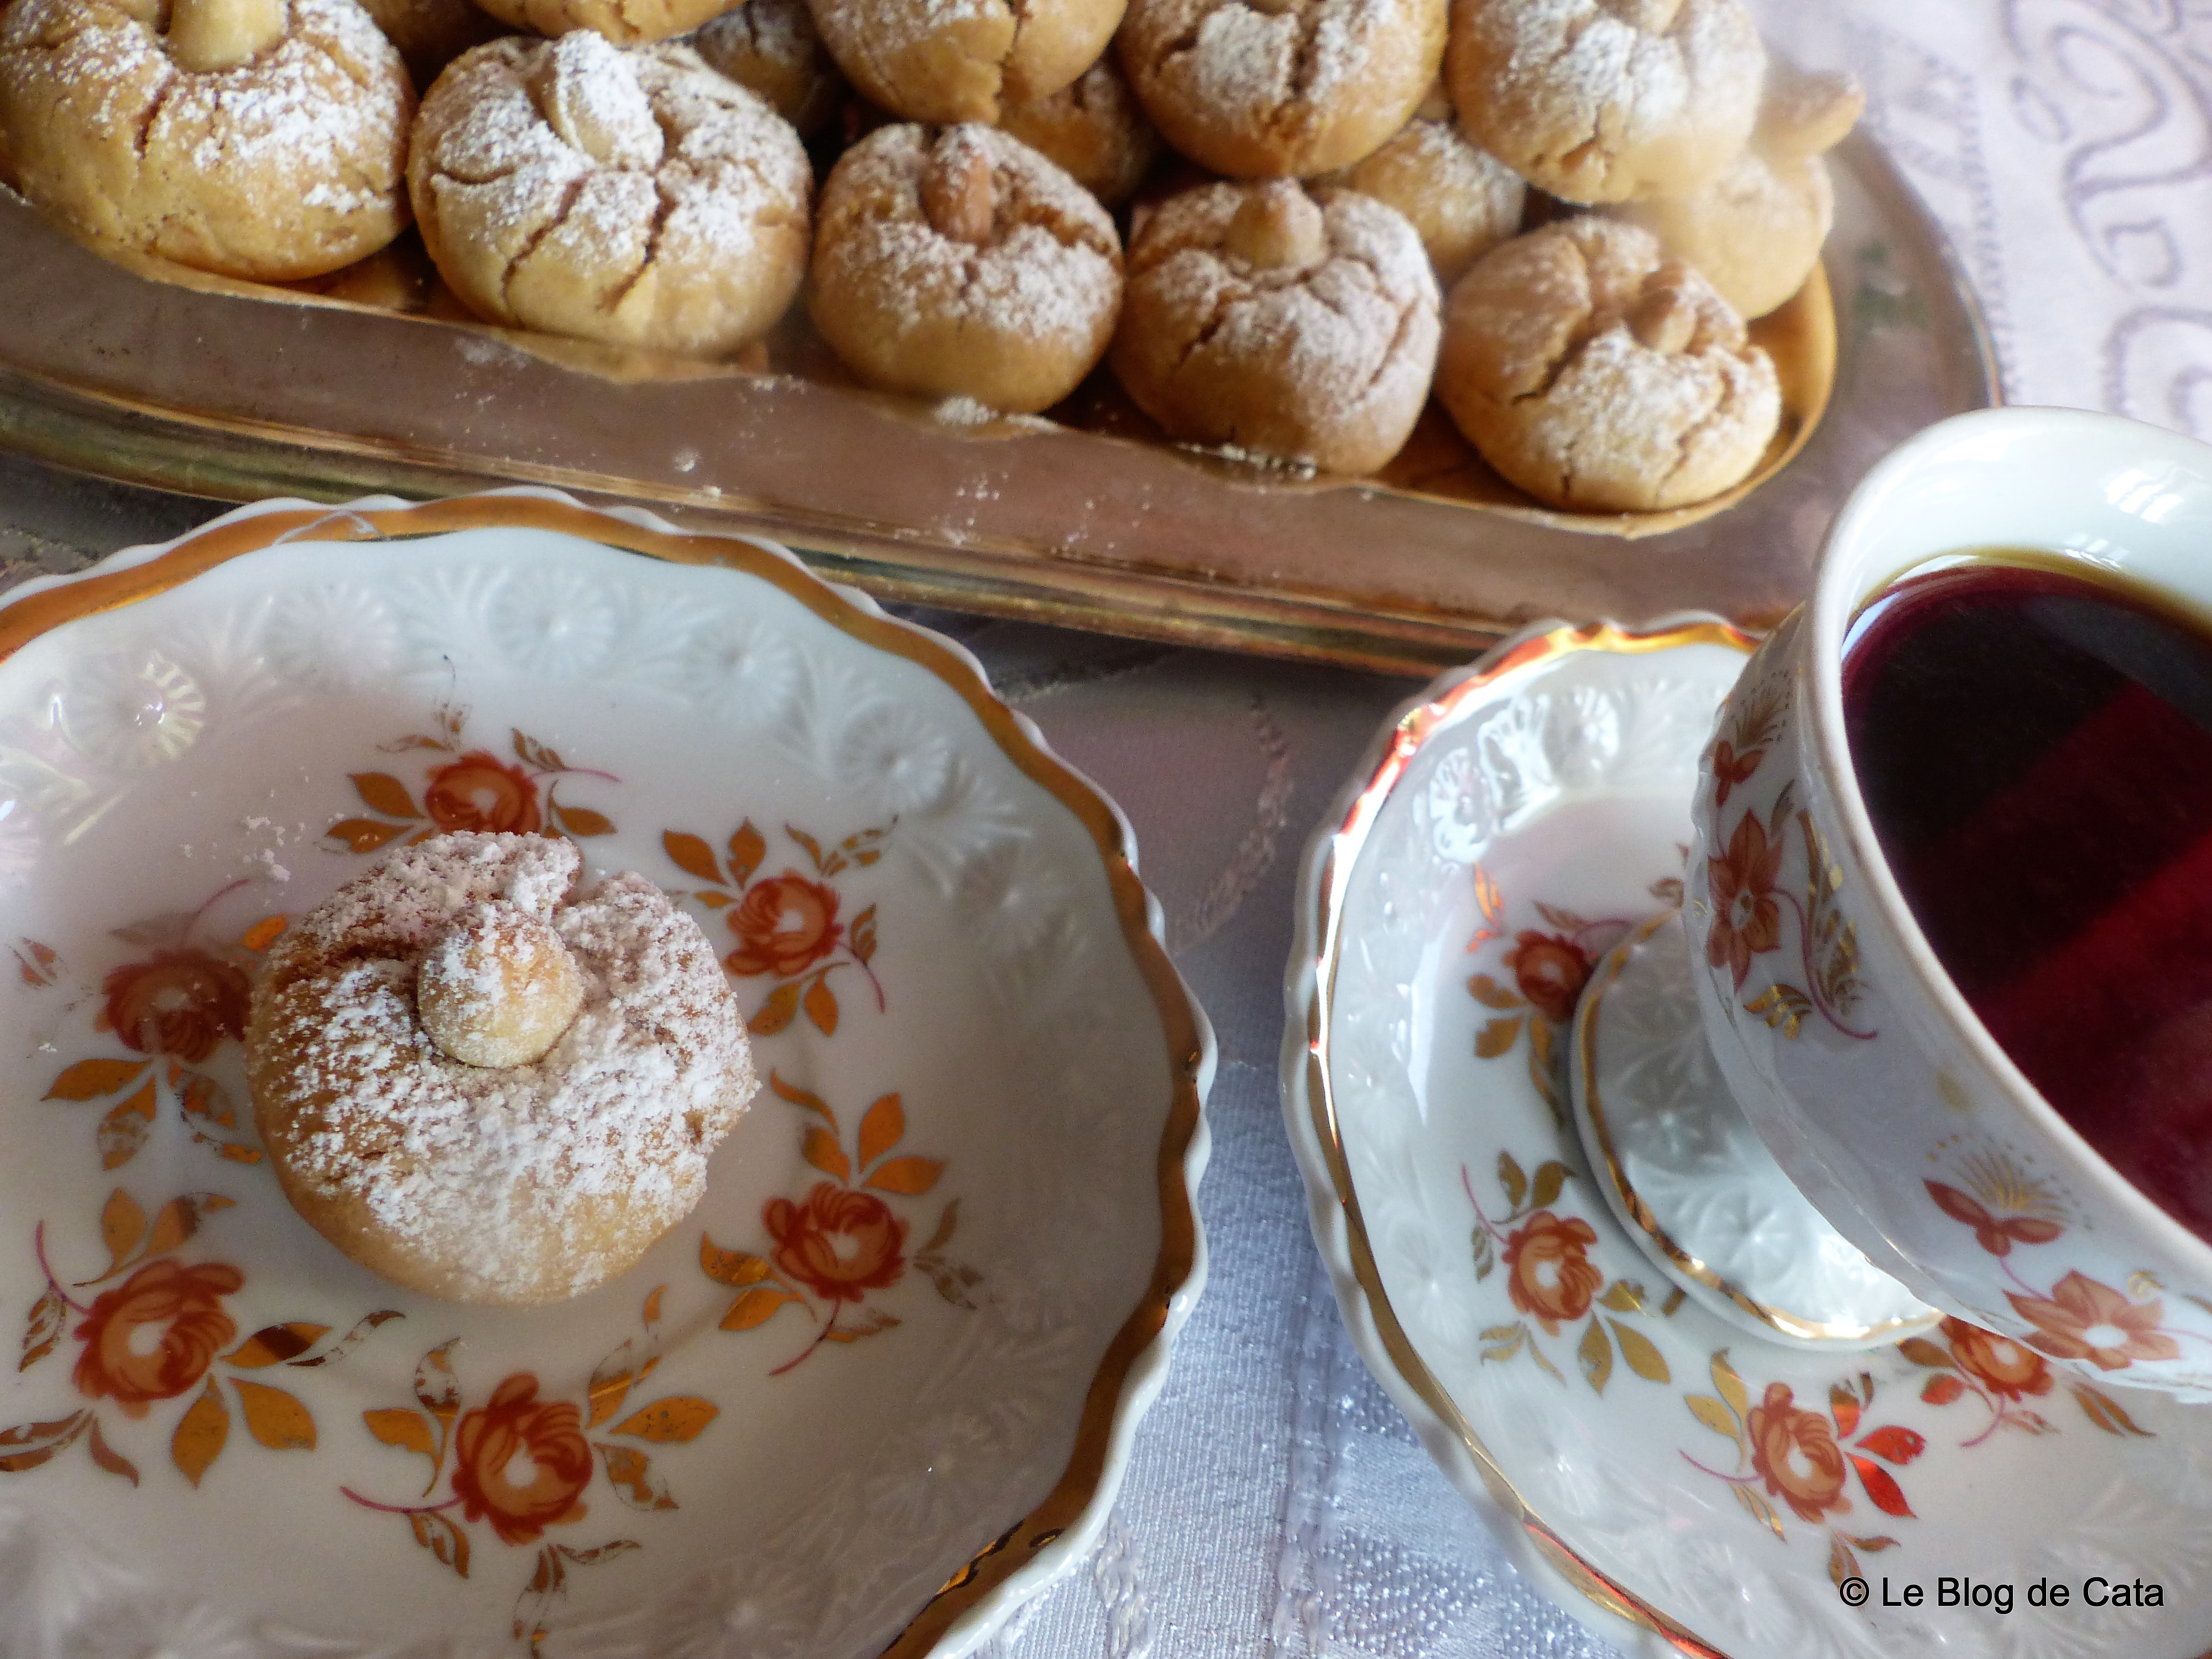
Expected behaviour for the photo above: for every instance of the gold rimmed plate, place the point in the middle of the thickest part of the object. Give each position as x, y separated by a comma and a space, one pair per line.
1683, 1487
876, 1392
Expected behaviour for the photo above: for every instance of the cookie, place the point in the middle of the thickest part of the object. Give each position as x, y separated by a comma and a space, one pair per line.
485, 1085
1604, 100
1281, 323
1274, 89
1756, 231
254, 138
631, 196
1460, 199
962, 263
963, 60
1596, 373
770, 48
1092, 128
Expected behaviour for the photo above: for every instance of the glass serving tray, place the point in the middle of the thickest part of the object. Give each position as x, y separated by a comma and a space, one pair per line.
233, 392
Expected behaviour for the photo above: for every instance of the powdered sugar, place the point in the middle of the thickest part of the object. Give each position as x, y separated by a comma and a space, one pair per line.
1326, 359
660, 204
515, 1181
1299, 86
1593, 104
218, 167
1050, 269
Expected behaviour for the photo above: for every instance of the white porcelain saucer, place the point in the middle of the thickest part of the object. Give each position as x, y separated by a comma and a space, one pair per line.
877, 1390
1681, 1486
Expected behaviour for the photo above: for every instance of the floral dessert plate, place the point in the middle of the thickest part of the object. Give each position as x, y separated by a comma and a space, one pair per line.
877, 1391
1681, 1486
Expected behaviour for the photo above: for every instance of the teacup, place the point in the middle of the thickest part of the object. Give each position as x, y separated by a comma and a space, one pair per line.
1860, 1063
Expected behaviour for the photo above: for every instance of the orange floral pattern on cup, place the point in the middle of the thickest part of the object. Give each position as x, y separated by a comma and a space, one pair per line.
831, 1251
1746, 916
2078, 1317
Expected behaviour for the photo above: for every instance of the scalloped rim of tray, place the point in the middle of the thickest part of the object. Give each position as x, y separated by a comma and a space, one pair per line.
180, 388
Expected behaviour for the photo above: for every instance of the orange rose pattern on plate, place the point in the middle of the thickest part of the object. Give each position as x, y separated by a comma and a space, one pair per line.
479, 1453
1552, 1282
787, 926
1543, 974
473, 790
833, 1248
159, 1334
1807, 1458
171, 1008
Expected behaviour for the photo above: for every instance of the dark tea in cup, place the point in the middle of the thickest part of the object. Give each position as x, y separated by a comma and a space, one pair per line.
2034, 747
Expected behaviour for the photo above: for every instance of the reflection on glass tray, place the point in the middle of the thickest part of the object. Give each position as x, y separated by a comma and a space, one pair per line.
221, 389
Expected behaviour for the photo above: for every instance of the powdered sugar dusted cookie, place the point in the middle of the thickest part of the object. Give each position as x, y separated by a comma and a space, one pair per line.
1755, 232
266, 139
1603, 100
963, 60
486, 1086
962, 263
1596, 373
1461, 200
626, 195
1269, 88
1286, 324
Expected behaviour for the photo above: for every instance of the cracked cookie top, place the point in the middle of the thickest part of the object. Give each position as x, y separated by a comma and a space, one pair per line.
1601, 100
264, 139
1297, 327
629, 195
962, 60
962, 263
1274, 88
1597, 373
428, 1114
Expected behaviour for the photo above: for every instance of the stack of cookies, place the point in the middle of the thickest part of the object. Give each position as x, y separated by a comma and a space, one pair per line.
1281, 223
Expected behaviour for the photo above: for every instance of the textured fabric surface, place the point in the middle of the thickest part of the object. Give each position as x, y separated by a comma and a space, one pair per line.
1277, 1503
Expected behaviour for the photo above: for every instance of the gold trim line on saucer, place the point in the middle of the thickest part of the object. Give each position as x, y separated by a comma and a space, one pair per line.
1803, 1327
1350, 838
1078, 1482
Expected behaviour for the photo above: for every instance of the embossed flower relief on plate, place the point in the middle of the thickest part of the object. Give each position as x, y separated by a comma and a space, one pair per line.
937, 1240
1694, 1483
